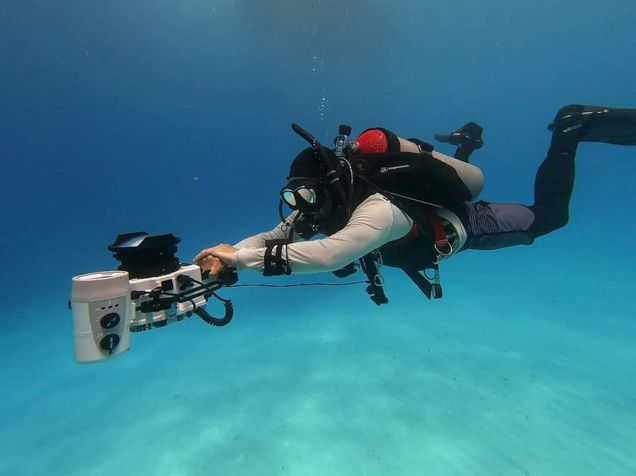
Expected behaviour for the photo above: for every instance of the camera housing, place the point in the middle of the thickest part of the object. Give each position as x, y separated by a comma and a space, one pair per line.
150, 289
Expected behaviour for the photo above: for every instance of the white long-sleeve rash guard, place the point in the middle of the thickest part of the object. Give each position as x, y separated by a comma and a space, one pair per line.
373, 223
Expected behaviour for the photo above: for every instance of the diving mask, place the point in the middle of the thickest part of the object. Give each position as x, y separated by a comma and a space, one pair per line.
304, 197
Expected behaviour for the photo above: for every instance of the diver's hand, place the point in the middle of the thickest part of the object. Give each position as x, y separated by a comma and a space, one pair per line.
224, 253
211, 264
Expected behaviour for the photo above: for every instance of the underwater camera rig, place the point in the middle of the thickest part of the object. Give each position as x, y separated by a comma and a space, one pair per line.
151, 288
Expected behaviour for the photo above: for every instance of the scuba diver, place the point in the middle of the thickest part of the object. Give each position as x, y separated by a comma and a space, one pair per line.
381, 199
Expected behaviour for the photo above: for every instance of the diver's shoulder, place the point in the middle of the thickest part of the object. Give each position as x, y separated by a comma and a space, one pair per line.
375, 204
376, 199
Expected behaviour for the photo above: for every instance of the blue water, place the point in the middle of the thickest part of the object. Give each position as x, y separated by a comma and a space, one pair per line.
171, 116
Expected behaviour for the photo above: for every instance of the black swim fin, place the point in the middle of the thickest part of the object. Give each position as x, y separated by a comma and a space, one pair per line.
467, 139
579, 123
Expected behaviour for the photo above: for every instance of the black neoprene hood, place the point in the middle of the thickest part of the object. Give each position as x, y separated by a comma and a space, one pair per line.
307, 164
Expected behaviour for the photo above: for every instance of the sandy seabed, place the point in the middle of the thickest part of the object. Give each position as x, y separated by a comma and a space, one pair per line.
501, 381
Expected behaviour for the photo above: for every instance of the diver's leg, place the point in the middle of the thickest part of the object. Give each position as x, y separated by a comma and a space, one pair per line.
553, 188
492, 226
555, 178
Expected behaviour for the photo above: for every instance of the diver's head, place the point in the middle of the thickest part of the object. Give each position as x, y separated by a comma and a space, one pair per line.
306, 188
319, 187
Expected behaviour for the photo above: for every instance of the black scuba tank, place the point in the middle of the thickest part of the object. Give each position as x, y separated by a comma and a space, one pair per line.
406, 169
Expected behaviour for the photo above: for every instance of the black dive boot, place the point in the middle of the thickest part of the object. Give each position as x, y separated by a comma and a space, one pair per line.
467, 139
578, 123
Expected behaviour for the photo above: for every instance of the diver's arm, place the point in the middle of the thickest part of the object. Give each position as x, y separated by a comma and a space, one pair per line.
208, 258
375, 222
281, 232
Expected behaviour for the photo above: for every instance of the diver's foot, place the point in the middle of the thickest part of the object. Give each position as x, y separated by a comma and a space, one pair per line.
467, 139
579, 123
